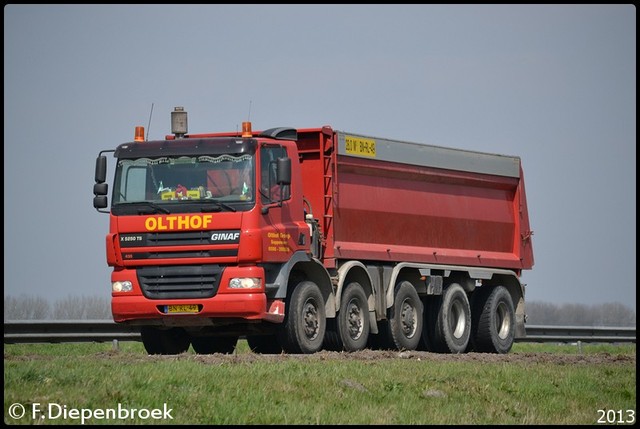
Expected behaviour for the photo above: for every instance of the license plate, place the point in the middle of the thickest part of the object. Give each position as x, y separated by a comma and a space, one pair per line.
184, 308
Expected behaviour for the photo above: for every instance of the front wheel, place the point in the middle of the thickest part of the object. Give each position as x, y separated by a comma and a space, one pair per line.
305, 320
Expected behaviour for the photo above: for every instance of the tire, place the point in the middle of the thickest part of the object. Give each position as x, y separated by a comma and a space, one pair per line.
332, 341
432, 306
352, 321
264, 344
164, 341
406, 317
452, 328
305, 320
207, 345
493, 330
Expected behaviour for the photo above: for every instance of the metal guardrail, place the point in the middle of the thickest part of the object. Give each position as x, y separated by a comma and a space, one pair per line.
68, 331
586, 334
64, 331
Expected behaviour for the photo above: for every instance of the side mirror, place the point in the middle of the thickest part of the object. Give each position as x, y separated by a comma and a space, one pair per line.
99, 201
100, 189
283, 172
101, 169
283, 178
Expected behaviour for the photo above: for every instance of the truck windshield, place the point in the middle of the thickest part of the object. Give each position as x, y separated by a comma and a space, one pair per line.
172, 181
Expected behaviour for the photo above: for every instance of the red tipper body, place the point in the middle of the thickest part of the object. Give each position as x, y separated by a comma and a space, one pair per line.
397, 201
310, 238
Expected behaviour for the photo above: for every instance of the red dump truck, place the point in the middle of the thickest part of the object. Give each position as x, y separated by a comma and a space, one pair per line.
306, 239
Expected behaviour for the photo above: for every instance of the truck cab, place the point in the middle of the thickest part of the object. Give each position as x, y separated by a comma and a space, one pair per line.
201, 227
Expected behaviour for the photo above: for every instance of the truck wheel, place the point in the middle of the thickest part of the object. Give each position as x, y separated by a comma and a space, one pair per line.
207, 345
494, 330
332, 341
164, 341
305, 320
406, 317
349, 331
264, 344
453, 321
353, 319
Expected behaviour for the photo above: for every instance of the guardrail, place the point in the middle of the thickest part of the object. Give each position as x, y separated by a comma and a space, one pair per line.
586, 334
68, 331
63, 331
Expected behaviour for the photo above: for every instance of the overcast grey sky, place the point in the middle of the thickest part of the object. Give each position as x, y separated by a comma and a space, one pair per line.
553, 84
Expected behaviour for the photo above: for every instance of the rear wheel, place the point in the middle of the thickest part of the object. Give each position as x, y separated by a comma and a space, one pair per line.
452, 328
406, 317
494, 321
158, 341
305, 320
206, 345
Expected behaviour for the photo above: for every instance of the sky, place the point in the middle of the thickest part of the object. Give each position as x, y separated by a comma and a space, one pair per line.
552, 84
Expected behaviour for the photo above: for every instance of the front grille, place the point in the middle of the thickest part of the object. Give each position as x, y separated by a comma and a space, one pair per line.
133, 245
180, 282
224, 253
178, 238
182, 238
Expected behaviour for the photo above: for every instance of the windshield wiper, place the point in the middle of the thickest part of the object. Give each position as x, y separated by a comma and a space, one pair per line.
217, 207
155, 207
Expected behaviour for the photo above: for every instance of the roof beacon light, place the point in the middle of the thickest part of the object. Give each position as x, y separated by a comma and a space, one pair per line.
246, 129
139, 135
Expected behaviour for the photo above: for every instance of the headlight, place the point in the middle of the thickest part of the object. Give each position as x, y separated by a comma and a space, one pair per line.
245, 283
124, 286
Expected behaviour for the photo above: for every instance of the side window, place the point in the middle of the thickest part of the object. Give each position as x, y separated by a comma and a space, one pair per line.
133, 188
270, 191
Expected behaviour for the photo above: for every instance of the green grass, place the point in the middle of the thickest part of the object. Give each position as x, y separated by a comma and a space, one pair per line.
317, 390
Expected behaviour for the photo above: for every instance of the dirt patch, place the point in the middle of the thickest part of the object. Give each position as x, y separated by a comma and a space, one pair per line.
367, 355
377, 355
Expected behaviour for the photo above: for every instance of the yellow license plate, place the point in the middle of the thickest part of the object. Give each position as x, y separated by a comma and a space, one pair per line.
185, 308
360, 146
